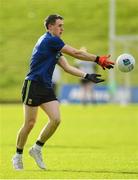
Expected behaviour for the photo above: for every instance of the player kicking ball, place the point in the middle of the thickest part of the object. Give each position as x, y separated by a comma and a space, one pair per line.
37, 90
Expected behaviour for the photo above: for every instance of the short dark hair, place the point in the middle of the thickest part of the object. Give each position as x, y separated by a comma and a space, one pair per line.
51, 19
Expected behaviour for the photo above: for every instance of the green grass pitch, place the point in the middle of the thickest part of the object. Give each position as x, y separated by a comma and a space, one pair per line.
92, 142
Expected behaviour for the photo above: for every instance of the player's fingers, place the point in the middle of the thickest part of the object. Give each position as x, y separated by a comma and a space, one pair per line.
109, 66
100, 80
109, 55
98, 75
111, 62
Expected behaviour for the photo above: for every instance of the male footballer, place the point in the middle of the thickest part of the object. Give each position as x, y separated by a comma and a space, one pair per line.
37, 90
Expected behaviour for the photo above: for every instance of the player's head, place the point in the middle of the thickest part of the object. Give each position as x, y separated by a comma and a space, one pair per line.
54, 24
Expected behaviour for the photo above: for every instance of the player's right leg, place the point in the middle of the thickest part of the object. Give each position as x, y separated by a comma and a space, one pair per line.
30, 114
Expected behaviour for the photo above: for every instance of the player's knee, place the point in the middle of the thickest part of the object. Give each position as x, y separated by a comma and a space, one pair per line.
31, 123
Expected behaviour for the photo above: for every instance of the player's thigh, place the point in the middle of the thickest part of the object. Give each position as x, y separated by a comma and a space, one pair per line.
52, 109
30, 113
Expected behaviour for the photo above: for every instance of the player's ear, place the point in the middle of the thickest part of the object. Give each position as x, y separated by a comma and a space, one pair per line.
50, 26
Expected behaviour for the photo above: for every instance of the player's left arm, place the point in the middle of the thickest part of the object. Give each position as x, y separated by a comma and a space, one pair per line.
78, 54
62, 62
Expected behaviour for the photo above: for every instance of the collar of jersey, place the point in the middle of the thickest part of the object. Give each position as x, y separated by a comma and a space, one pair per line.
51, 34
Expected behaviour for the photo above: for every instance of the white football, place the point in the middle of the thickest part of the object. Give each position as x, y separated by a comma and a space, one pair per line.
125, 62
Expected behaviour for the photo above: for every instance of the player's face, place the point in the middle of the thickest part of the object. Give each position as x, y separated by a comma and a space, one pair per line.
57, 28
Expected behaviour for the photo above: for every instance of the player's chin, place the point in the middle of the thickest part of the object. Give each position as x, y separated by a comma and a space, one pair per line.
60, 33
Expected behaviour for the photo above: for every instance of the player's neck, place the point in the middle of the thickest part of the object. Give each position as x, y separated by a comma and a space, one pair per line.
51, 33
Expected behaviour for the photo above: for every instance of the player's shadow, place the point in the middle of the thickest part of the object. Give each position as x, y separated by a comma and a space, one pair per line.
73, 147
68, 147
94, 171
88, 171
63, 146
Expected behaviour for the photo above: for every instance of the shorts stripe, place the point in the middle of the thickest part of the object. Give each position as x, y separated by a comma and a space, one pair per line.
27, 91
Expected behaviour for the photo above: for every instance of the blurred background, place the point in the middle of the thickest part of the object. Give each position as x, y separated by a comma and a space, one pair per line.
102, 26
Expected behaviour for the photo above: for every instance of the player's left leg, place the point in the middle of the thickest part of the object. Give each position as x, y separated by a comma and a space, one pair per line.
52, 110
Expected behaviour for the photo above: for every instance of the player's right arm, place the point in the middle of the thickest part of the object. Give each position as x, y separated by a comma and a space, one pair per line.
103, 61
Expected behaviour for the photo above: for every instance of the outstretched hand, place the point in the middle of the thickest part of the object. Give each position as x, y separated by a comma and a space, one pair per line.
94, 78
104, 62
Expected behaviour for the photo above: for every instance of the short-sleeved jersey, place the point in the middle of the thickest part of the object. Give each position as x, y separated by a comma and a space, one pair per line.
44, 57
